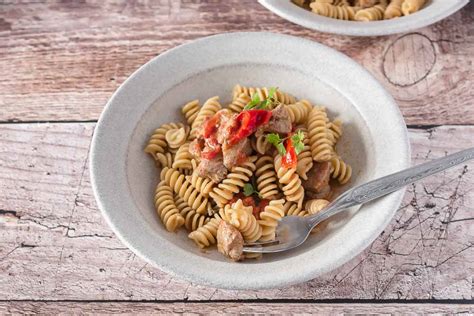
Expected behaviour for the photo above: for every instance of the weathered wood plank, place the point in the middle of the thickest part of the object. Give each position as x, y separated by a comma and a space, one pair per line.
151, 308
64, 59
54, 244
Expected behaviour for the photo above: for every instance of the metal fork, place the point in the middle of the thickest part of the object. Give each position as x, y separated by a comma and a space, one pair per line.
292, 231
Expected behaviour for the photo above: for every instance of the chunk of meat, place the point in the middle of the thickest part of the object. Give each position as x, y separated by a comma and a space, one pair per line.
324, 193
236, 154
196, 146
230, 241
280, 121
226, 121
213, 169
318, 177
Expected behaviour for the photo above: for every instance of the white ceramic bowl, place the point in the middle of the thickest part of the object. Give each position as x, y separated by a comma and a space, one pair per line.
375, 143
434, 11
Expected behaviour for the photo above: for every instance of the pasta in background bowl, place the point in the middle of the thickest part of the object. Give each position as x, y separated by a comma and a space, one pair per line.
375, 143
333, 19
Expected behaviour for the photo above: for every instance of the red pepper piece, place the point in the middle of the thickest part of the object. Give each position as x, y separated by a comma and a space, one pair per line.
290, 159
247, 122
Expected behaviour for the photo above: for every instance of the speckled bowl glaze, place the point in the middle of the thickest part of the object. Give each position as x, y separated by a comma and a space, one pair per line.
375, 143
434, 11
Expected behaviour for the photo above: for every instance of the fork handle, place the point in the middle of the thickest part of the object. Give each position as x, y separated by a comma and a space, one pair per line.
388, 184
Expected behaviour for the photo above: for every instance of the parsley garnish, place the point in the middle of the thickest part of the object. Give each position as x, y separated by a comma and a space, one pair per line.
249, 190
278, 142
257, 104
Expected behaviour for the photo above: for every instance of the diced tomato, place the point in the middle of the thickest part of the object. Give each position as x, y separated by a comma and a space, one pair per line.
209, 152
211, 125
290, 159
249, 201
247, 123
238, 196
260, 207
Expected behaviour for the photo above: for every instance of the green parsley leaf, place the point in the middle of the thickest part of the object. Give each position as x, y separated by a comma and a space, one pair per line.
271, 92
298, 147
281, 149
273, 139
297, 137
248, 189
254, 102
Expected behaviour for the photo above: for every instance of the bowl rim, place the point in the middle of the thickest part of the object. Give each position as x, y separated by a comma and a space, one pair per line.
305, 18
100, 170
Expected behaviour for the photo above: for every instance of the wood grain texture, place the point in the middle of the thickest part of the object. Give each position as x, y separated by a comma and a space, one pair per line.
55, 245
150, 308
64, 59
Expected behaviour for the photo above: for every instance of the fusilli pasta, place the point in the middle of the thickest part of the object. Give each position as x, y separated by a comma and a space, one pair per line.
319, 141
238, 103
235, 180
184, 189
190, 111
241, 217
269, 219
340, 170
279, 96
292, 188
166, 207
266, 178
203, 185
205, 235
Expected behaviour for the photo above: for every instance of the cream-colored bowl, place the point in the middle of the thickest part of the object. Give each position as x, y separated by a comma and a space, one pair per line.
375, 143
434, 11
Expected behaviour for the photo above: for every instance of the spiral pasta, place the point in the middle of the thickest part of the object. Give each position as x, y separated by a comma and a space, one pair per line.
166, 207
316, 205
336, 12
279, 96
157, 144
371, 14
269, 218
238, 103
291, 209
184, 189
335, 131
266, 178
182, 159
190, 111
209, 108
299, 111
260, 144
241, 217
340, 170
366, 3
318, 134
164, 160
203, 185
205, 235
334, 2
176, 137
411, 6
235, 180
192, 219
292, 188
393, 10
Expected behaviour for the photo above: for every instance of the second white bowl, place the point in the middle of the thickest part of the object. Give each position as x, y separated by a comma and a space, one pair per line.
434, 11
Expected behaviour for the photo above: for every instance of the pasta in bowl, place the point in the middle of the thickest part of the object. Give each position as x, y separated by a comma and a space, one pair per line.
380, 17
126, 181
240, 169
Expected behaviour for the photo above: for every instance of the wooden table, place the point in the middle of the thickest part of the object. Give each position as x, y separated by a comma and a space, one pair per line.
61, 60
